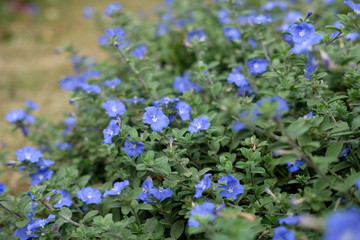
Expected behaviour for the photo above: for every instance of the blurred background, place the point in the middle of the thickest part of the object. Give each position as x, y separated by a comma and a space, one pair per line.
30, 31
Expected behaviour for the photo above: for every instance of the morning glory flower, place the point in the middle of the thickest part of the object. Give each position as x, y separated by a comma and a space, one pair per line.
202, 185
111, 36
183, 84
146, 188
161, 193
183, 110
353, 6
112, 9
2, 187
36, 223
259, 19
89, 195
90, 88
237, 78
257, 66
28, 154
294, 165
290, 220
71, 83
311, 65
156, 118
343, 224
31, 105
45, 163
304, 37
164, 101
203, 211
282, 233
114, 108
161, 29
274, 4
232, 187
65, 200
197, 34
238, 125
64, 145
15, 116
40, 176
280, 102
352, 36
117, 188
135, 100
224, 16
232, 33
139, 52
70, 124
112, 83
133, 148
111, 130
344, 152
30, 215
200, 123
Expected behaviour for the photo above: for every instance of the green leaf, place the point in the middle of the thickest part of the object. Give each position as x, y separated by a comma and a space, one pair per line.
334, 149
144, 206
177, 229
297, 128
150, 225
66, 212
89, 216
355, 123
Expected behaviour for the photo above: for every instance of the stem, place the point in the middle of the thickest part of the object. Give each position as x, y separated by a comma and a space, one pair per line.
48, 206
336, 37
10, 211
136, 216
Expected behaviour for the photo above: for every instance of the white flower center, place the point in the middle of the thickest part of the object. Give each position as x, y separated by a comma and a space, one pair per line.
202, 185
114, 108
27, 155
146, 190
256, 65
41, 177
154, 118
198, 125
89, 195
231, 190
28, 232
181, 111
161, 190
133, 146
110, 132
302, 33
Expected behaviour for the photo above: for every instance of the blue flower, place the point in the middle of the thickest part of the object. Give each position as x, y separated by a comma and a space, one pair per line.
290, 220
200, 123
90, 88
310, 114
28, 154
45, 163
232, 187
304, 37
135, 100
295, 165
133, 148
344, 152
197, 34
257, 66
112, 83
238, 125
111, 36
15, 116
164, 101
282, 233
353, 6
161, 193
357, 184
156, 118
311, 65
70, 123
65, 200
40, 222
203, 211
161, 29
183, 84
202, 185
111, 130
224, 16
139, 52
146, 188
31, 105
259, 19
112, 9
114, 108
24, 233
274, 4
64, 145
237, 78
183, 110
89, 195
40, 176
71, 83
88, 12
116, 190
343, 224
2, 187
30, 215
280, 109
232, 33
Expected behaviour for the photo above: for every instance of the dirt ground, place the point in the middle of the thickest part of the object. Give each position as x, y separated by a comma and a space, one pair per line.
29, 68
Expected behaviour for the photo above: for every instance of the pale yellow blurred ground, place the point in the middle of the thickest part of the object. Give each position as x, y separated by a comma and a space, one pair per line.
29, 69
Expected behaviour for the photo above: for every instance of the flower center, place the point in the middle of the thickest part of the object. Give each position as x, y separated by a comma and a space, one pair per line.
230, 190
133, 146
109, 132
302, 33
198, 125
154, 118
28, 232
181, 111
89, 196
113, 108
41, 177
256, 65
27, 155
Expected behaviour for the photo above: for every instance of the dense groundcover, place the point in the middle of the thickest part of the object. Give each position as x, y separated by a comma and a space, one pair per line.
222, 120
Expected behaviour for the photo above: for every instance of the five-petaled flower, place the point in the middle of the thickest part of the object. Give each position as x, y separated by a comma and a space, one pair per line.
156, 118
183, 110
28, 154
117, 188
202, 185
203, 212
114, 108
257, 66
133, 148
111, 130
232, 186
200, 123
89, 195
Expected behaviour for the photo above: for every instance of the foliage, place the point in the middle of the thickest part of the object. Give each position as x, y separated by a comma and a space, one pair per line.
223, 120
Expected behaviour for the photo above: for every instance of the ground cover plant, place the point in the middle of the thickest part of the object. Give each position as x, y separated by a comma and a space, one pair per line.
223, 120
